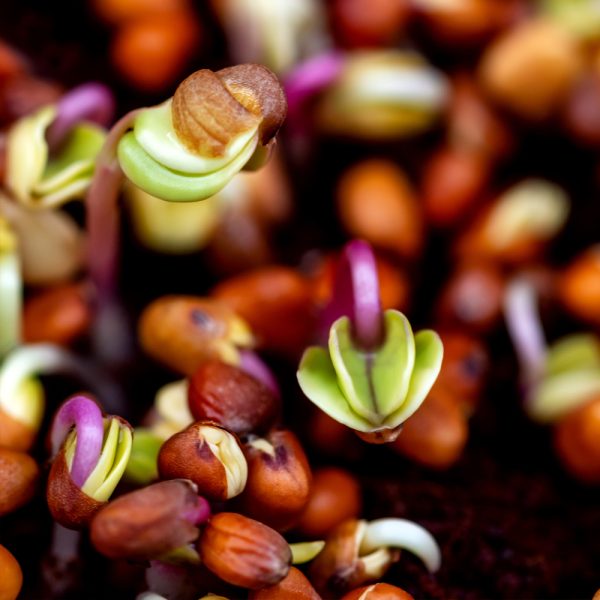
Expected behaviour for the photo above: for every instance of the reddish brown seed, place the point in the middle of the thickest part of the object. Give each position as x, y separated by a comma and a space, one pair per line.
279, 480
378, 591
276, 302
464, 368
436, 434
151, 51
335, 496
453, 180
579, 286
472, 297
11, 577
369, 23
19, 474
58, 315
377, 202
294, 586
244, 552
208, 455
227, 395
147, 523
577, 442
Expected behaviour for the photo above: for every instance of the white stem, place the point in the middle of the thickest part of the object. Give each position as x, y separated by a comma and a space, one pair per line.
401, 533
65, 544
40, 359
525, 328
10, 302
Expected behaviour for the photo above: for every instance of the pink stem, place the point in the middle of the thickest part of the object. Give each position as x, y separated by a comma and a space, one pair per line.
310, 78
525, 329
103, 211
302, 85
91, 102
85, 414
252, 364
356, 295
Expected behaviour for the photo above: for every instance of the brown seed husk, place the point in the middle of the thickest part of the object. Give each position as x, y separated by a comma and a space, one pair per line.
210, 110
258, 89
187, 455
147, 523
206, 116
68, 505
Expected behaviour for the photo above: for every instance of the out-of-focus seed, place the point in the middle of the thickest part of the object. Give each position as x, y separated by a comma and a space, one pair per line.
22, 94
530, 68
473, 124
279, 480
58, 315
460, 22
517, 225
463, 368
376, 202
184, 331
579, 286
331, 438
472, 298
277, 304
453, 181
240, 242
11, 62
120, 11
11, 577
18, 478
378, 591
581, 113
150, 52
335, 496
436, 434
294, 586
369, 23
577, 442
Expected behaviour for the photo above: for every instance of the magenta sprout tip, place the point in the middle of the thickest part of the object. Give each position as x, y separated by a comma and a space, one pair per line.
356, 295
86, 416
